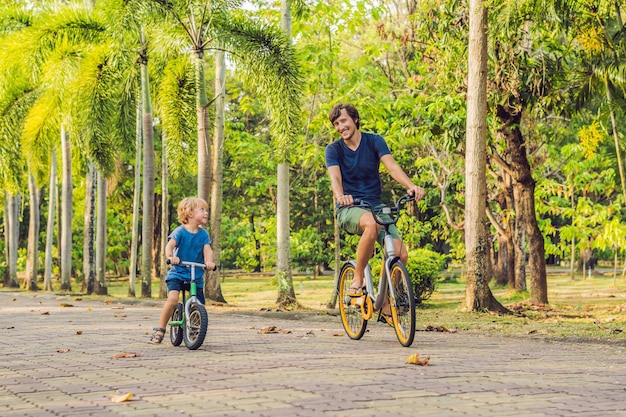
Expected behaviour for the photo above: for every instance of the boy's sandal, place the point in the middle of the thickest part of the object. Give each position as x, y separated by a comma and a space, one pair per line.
384, 318
157, 338
355, 292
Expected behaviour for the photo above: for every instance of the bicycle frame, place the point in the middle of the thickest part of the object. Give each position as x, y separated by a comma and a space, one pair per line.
188, 302
389, 253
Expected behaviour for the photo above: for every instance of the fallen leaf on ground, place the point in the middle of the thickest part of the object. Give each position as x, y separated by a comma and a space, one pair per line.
66, 305
124, 355
337, 334
121, 398
79, 332
63, 350
443, 329
414, 359
273, 329
45, 313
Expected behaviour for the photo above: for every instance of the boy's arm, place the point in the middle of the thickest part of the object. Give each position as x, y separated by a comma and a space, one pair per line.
169, 252
207, 251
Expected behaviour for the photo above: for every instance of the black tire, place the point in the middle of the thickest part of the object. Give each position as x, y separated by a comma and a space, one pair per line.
403, 307
176, 332
196, 327
351, 316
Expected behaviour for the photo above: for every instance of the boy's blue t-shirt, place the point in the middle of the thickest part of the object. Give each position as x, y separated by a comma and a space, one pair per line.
360, 175
190, 248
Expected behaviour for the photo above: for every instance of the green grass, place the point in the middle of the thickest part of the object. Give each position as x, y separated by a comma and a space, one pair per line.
590, 308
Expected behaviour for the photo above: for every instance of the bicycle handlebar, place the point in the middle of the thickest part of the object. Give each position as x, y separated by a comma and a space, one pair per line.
395, 209
187, 264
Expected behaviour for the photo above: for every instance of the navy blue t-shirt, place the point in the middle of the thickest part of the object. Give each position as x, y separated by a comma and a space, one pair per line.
360, 174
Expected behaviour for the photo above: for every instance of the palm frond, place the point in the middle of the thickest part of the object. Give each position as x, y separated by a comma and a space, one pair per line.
268, 61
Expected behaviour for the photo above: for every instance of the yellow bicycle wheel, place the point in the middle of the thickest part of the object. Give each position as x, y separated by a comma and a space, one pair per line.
351, 315
403, 306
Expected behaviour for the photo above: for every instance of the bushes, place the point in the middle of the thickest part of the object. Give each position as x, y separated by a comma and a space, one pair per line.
424, 266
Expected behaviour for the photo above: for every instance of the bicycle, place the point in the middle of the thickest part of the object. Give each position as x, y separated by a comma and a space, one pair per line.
394, 284
189, 319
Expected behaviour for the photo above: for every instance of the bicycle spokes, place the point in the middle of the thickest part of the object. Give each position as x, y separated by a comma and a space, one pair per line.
402, 304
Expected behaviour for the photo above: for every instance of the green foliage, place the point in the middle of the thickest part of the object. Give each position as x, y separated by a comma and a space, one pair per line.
424, 266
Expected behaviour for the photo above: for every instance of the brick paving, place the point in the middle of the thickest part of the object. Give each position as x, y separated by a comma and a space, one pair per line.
59, 360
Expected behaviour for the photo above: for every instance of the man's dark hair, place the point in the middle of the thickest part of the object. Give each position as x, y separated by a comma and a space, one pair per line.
350, 109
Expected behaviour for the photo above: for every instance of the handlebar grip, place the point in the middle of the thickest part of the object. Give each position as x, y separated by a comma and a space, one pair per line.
169, 262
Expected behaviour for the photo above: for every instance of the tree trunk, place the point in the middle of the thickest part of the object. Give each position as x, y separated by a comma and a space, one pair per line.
136, 201
147, 223
165, 216
337, 234
478, 296
66, 213
32, 257
52, 202
213, 291
89, 254
101, 235
11, 216
204, 138
524, 194
286, 293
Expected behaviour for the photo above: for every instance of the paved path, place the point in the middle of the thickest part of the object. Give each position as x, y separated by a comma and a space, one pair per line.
59, 361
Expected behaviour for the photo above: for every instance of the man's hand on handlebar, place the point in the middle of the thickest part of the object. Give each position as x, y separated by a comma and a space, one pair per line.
416, 192
345, 200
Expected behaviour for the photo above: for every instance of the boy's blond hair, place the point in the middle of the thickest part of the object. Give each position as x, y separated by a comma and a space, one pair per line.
187, 206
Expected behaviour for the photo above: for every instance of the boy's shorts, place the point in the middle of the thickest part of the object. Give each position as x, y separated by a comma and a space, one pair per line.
176, 284
349, 220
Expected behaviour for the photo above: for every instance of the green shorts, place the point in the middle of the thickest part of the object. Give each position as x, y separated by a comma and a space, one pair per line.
349, 220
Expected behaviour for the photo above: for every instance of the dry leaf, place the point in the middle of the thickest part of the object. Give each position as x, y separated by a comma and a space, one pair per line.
337, 334
45, 313
124, 355
89, 308
63, 350
66, 305
273, 329
79, 332
414, 359
122, 398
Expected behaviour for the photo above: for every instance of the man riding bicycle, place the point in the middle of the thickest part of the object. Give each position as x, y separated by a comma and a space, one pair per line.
353, 162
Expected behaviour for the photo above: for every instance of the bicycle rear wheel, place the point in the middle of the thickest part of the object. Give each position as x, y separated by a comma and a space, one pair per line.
351, 316
403, 307
176, 332
196, 326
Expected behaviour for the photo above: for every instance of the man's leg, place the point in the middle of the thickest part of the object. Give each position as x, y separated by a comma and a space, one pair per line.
365, 249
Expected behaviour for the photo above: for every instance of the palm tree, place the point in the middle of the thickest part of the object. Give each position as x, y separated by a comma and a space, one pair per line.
265, 57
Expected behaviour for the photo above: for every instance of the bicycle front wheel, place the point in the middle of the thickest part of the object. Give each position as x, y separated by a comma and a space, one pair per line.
196, 326
351, 316
176, 331
403, 307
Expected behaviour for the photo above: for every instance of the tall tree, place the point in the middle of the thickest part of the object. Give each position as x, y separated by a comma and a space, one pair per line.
214, 292
147, 222
478, 296
286, 293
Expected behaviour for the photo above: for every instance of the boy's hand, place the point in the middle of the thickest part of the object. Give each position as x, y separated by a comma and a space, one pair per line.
174, 260
210, 266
